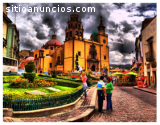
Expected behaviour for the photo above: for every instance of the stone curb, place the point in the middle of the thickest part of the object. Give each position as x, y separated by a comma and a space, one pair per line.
135, 87
88, 113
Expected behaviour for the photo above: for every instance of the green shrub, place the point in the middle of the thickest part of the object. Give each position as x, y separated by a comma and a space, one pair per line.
29, 67
54, 74
63, 82
6, 79
19, 83
29, 76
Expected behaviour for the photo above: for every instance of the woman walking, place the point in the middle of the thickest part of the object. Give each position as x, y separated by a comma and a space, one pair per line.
84, 79
109, 88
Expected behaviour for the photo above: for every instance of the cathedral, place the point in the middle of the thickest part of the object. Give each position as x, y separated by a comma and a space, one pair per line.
93, 54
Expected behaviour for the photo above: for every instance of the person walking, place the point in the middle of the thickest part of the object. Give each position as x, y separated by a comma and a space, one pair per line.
84, 80
109, 88
101, 93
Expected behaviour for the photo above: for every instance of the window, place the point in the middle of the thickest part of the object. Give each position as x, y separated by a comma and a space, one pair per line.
50, 65
80, 33
47, 54
51, 48
36, 56
70, 33
36, 63
76, 25
104, 57
104, 41
76, 32
79, 53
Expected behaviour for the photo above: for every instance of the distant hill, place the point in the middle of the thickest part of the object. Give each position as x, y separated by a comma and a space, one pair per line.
127, 66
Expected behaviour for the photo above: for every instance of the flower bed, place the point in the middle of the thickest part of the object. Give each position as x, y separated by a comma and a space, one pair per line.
25, 83
24, 102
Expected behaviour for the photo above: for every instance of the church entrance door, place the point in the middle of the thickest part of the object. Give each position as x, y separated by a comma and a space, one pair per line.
93, 67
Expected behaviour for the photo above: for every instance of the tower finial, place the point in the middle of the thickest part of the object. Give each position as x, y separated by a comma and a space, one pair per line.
101, 19
74, 9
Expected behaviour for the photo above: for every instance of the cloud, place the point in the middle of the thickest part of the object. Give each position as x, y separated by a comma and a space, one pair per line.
122, 21
119, 5
126, 26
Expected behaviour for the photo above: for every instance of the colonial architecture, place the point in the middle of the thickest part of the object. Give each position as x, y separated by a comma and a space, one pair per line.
139, 56
93, 54
50, 57
149, 44
10, 43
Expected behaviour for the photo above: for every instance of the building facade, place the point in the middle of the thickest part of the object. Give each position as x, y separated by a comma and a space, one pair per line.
92, 54
139, 56
10, 43
50, 57
149, 44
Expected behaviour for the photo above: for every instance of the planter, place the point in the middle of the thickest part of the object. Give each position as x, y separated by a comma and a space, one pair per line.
120, 84
134, 84
124, 84
116, 84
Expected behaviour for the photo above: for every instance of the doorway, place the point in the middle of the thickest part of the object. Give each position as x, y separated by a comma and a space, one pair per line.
93, 68
148, 76
154, 78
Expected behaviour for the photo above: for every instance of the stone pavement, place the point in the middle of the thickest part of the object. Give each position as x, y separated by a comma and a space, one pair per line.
81, 107
129, 105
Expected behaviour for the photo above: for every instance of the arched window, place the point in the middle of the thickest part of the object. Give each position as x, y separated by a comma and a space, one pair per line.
69, 26
70, 33
67, 35
76, 32
76, 25
80, 33
104, 41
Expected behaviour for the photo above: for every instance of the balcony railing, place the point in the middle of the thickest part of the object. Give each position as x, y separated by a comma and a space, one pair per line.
149, 56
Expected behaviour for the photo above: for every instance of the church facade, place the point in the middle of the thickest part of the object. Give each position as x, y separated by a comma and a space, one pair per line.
92, 54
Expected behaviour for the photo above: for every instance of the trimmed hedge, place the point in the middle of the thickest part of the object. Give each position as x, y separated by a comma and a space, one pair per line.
29, 67
63, 82
29, 76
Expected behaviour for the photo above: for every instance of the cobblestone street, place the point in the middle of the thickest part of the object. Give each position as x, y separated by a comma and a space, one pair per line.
129, 105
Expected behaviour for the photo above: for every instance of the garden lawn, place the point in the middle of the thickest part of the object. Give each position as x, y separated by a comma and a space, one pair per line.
6, 89
63, 88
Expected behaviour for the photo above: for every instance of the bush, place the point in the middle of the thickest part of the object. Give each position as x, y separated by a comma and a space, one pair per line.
29, 67
43, 83
6, 79
18, 83
54, 74
29, 76
63, 82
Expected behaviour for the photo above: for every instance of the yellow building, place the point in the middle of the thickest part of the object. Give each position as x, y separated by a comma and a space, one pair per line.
6, 21
92, 55
50, 57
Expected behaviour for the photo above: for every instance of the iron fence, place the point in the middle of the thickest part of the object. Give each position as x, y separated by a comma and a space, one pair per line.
20, 104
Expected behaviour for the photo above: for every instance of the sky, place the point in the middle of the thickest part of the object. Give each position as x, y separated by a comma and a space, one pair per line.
122, 23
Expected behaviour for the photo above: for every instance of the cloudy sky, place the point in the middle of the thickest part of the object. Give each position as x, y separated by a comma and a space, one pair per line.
122, 20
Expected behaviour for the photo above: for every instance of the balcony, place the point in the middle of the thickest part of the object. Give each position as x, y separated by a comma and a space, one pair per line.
149, 56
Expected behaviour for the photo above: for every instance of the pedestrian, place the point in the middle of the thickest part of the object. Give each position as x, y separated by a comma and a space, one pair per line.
109, 88
113, 80
101, 93
84, 80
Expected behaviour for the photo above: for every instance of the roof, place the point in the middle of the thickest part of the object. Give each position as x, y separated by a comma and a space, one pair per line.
53, 42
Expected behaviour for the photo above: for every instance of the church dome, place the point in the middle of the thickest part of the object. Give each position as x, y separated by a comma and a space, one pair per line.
30, 58
53, 41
